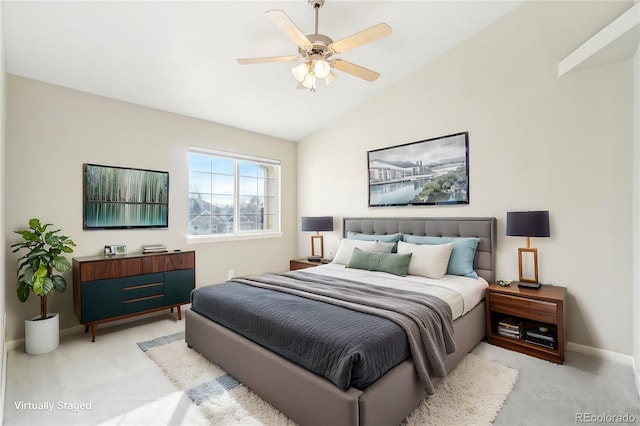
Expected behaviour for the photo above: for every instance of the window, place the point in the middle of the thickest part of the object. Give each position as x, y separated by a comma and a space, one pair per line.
232, 195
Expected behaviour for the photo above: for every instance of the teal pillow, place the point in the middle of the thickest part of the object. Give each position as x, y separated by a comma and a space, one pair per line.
461, 260
384, 238
397, 264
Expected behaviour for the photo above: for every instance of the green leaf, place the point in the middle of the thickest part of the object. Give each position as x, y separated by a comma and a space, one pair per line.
28, 275
23, 291
38, 280
59, 283
41, 271
34, 224
61, 264
47, 286
28, 235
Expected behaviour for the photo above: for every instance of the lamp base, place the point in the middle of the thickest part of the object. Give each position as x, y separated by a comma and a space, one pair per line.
534, 286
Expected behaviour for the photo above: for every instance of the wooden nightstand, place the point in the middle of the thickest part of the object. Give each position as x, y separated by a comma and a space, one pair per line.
535, 308
302, 264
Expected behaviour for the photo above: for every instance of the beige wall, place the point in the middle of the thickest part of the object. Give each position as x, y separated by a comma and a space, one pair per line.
53, 130
536, 142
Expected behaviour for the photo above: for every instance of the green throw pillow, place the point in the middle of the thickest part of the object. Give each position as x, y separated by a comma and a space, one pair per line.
397, 264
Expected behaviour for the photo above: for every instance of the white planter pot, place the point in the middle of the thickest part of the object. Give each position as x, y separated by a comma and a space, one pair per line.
42, 336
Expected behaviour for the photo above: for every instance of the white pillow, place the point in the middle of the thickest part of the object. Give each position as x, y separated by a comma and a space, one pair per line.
345, 249
429, 261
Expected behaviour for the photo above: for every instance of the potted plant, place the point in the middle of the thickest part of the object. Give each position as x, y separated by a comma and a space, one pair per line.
36, 273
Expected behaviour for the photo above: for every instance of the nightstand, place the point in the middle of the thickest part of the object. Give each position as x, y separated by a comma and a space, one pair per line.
302, 264
543, 307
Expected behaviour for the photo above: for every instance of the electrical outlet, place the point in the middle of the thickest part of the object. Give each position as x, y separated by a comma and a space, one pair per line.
230, 274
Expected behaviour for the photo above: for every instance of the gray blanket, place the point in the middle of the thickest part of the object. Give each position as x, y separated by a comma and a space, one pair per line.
426, 320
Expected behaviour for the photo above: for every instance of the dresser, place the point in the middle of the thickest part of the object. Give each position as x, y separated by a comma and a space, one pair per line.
112, 288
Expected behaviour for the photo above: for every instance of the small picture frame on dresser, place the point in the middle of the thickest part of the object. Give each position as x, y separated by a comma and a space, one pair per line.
115, 249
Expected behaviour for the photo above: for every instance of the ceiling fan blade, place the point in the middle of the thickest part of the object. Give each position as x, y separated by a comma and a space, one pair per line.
268, 59
363, 37
355, 70
286, 25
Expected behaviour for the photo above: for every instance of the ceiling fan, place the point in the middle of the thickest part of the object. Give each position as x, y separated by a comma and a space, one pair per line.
317, 50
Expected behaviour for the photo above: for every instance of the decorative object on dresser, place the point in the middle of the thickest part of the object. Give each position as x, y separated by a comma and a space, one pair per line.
111, 288
317, 224
35, 273
154, 248
115, 249
537, 315
295, 264
429, 172
528, 224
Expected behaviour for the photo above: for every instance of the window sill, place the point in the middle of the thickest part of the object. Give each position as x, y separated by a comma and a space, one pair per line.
201, 239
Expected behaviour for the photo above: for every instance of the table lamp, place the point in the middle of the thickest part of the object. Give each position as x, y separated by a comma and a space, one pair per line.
317, 224
528, 224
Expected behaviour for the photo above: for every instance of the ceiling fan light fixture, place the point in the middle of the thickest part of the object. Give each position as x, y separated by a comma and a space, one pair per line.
330, 78
321, 68
309, 82
300, 71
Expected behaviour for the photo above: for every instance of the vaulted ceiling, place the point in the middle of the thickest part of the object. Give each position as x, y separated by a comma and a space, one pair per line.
180, 56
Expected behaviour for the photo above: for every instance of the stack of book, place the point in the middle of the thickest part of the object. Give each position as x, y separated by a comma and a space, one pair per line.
542, 337
154, 248
511, 327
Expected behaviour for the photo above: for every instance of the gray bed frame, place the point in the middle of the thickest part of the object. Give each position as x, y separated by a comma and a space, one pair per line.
309, 399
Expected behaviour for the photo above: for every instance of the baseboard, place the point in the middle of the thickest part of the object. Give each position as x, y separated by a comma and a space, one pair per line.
602, 353
636, 375
17, 343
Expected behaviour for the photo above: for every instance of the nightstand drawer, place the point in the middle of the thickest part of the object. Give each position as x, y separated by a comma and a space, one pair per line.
537, 310
295, 264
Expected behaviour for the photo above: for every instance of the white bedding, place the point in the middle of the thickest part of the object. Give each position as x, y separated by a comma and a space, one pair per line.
461, 293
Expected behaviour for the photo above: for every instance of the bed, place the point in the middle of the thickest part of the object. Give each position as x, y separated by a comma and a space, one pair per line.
309, 399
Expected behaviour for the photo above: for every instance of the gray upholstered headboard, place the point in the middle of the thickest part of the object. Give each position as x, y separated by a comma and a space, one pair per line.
484, 228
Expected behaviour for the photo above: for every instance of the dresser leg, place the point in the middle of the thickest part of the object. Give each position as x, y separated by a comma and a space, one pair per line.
93, 332
179, 313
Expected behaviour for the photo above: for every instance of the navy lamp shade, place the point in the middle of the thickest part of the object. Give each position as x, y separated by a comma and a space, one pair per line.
528, 224
317, 224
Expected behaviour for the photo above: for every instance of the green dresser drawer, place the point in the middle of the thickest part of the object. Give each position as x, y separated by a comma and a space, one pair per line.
142, 290
102, 299
142, 304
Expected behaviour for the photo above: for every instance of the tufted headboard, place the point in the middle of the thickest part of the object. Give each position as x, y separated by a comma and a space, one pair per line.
484, 228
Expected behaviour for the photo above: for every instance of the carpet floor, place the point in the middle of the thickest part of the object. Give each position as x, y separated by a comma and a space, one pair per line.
472, 394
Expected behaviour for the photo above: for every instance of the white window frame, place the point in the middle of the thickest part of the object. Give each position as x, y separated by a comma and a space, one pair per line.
238, 234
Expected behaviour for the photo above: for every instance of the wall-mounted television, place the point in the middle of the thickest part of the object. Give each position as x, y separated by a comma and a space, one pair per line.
124, 198
428, 172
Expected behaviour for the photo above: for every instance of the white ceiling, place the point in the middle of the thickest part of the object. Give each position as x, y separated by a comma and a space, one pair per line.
180, 56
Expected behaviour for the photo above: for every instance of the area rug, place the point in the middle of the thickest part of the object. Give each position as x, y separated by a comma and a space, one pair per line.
472, 394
